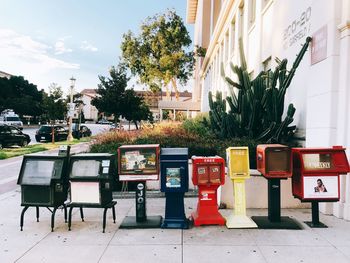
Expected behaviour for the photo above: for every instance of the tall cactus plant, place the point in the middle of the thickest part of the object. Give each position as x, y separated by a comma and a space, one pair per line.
256, 106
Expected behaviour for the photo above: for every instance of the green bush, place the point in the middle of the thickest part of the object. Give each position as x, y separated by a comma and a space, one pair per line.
199, 126
174, 135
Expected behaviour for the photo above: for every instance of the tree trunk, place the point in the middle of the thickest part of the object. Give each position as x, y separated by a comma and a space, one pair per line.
52, 133
173, 82
137, 127
167, 91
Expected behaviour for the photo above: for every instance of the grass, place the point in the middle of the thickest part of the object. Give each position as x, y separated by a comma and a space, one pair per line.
17, 151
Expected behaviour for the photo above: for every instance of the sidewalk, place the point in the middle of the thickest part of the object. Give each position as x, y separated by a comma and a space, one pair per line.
86, 242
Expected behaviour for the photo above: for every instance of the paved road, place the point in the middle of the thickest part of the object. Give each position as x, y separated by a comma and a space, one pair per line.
9, 168
95, 129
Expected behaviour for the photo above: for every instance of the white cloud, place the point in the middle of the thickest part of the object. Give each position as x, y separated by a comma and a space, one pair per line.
85, 45
60, 48
31, 58
19, 49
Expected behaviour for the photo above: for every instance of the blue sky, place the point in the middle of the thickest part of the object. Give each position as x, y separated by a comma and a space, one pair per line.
49, 41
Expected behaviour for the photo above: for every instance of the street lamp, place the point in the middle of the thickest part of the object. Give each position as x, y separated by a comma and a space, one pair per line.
71, 110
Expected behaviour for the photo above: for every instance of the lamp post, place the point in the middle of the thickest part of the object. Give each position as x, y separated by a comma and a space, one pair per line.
71, 110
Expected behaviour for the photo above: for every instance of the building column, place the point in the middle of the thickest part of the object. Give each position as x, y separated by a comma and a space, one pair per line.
160, 114
174, 114
188, 114
343, 121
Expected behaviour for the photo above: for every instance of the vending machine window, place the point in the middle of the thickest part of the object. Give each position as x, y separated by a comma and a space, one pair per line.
173, 177
274, 161
92, 182
138, 162
238, 162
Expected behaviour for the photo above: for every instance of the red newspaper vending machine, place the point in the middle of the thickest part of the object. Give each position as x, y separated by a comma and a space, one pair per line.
208, 173
316, 176
274, 162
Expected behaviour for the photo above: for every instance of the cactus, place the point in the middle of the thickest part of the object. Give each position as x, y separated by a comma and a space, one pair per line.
255, 106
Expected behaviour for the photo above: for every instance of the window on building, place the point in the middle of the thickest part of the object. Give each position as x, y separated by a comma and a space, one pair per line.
252, 12
226, 46
241, 21
267, 64
232, 37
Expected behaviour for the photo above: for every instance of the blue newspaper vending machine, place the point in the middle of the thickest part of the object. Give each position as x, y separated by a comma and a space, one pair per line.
174, 183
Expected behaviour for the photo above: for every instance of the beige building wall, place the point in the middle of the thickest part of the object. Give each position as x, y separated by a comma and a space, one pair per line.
277, 28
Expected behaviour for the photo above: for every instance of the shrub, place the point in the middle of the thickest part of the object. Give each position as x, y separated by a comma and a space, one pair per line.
173, 135
198, 125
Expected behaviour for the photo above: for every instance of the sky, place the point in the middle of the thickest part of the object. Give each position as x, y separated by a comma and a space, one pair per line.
51, 41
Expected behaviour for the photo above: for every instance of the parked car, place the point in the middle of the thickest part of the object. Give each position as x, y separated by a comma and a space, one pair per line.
115, 127
84, 131
104, 121
9, 117
10, 135
45, 133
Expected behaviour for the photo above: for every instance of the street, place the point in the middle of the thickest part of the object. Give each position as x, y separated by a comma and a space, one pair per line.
9, 168
95, 129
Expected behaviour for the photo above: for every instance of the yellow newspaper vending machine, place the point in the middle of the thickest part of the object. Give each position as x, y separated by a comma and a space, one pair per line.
238, 169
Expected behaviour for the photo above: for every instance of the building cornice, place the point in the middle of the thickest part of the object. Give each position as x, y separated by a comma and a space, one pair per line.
191, 11
344, 29
344, 26
214, 40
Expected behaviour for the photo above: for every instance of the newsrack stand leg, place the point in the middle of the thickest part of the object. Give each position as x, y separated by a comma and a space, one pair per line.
315, 223
238, 218
274, 220
141, 220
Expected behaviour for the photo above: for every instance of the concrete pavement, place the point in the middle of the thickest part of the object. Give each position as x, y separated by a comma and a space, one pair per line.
86, 242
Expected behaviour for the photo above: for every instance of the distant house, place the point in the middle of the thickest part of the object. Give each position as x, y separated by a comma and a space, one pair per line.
5, 75
90, 111
156, 102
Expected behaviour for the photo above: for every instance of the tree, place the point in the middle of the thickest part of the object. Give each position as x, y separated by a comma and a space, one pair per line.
54, 105
18, 94
111, 92
158, 54
137, 108
114, 97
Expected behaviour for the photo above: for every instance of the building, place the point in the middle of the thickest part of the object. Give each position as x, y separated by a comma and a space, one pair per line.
157, 103
320, 90
90, 111
183, 107
5, 75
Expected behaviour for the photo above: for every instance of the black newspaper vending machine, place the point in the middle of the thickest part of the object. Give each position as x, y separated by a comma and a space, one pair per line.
44, 183
92, 179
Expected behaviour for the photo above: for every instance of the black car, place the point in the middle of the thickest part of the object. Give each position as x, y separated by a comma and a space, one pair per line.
10, 135
84, 131
45, 133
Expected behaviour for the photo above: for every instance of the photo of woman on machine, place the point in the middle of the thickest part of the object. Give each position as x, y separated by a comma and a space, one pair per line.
320, 188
